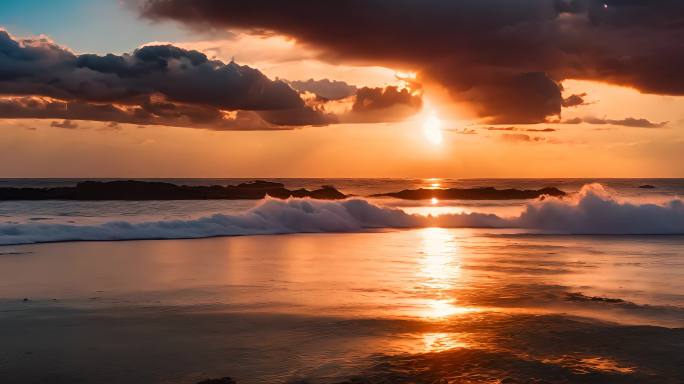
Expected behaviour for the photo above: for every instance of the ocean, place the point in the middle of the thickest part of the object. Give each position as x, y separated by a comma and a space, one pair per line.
48, 221
584, 289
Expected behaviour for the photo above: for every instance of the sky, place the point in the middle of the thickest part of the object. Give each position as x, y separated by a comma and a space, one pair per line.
265, 88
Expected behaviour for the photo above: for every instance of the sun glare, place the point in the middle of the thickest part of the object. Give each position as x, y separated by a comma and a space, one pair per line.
432, 128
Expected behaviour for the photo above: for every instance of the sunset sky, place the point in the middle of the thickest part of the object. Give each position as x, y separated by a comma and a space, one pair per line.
472, 88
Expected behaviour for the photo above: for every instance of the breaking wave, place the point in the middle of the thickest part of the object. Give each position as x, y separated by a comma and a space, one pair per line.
592, 211
595, 211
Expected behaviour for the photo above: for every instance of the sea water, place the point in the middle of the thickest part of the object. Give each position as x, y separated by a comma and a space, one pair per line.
368, 292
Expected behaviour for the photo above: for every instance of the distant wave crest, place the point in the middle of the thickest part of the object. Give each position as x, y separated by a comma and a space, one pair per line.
592, 211
595, 211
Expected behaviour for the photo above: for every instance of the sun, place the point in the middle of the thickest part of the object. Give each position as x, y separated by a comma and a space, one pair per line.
432, 129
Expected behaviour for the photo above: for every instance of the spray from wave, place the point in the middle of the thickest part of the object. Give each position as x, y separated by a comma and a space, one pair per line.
592, 211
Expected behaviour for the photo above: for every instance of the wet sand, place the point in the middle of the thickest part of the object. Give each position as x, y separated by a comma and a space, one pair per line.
423, 306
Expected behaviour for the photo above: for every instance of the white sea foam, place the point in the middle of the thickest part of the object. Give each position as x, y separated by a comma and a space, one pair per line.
591, 211
594, 210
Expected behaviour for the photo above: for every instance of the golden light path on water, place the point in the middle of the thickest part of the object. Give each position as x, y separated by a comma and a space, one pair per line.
440, 270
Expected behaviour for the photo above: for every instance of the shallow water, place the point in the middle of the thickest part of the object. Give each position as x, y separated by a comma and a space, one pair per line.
418, 305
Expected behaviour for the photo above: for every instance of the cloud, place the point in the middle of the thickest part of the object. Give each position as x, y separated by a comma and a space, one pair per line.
520, 129
540, 130
518, 137
626, 122
68, 124
525, 98
329, 89
504, 57
464, 131
168, 85
524, 138
369, 104
169, 114
574, 120
633, 122
501, 128
384, 104
111, 126
574, 100
153, 85
40, 67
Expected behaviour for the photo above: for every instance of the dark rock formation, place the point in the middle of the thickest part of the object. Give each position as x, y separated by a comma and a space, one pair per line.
646, 186
154, 190
578, 296
484, 193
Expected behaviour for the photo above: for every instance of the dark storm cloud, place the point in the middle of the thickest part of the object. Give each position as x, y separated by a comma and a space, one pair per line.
510, 99
503, 56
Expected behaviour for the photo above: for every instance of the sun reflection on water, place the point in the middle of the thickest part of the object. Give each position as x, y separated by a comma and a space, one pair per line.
441, 341
443, 308
440, 270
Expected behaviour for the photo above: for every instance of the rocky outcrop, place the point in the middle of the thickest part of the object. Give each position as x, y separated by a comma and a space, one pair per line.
484, 193
154, 190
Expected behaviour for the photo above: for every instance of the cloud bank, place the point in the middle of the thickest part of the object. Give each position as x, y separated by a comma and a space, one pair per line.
156, 84
504, 57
